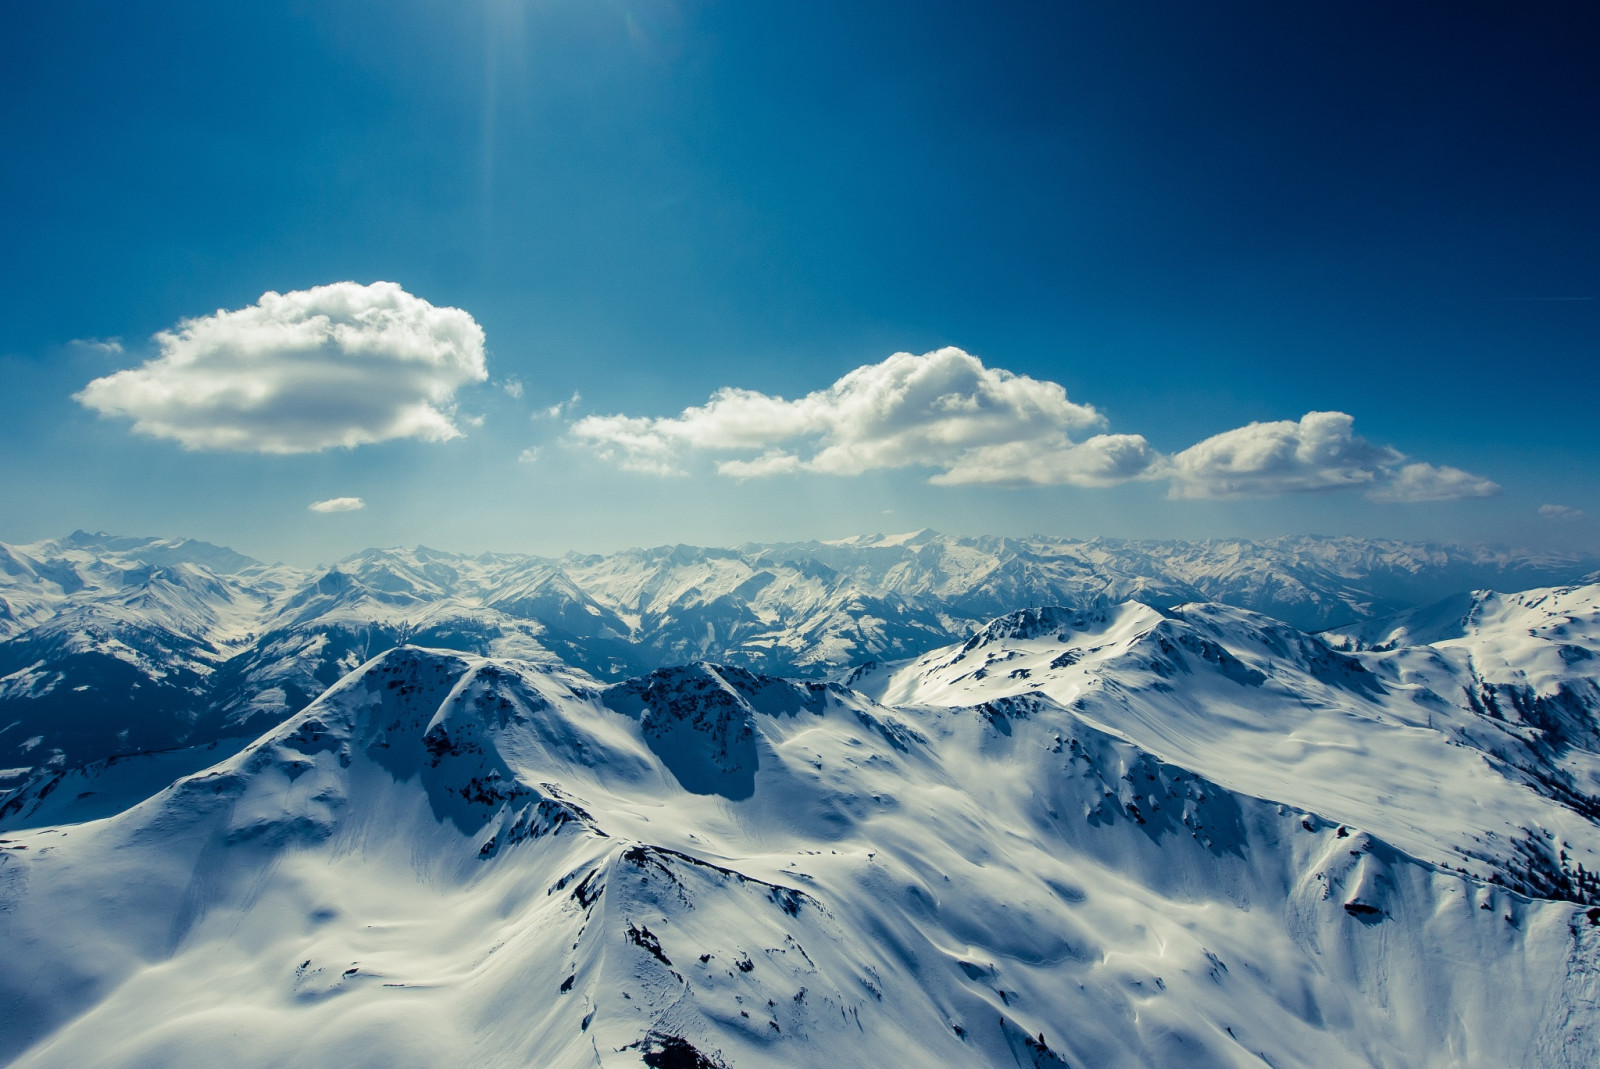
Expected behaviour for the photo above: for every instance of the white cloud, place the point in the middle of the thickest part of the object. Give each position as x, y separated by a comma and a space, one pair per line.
337, 504
1102, 460
1562, 513
942, 410
555, 411
1319, 451
513, 387
108, 346
337, 365
529, 455
979, 425
1417, 482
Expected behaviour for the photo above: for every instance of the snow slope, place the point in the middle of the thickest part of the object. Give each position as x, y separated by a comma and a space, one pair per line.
1410, 743
454, 860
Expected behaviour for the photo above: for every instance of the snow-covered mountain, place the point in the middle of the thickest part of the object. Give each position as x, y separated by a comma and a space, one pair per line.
1480, 752
111, 645
424, 809
1101, 835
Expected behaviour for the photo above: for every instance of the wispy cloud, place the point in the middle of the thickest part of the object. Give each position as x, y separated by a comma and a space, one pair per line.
560, 408
1418, 482
108, 346
298, 372
1561, 513
973, 424
338, 504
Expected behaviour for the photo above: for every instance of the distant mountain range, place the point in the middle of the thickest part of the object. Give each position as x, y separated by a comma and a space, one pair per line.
112, 645
429, 810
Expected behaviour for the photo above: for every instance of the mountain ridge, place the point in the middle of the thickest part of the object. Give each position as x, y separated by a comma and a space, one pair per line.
134, 622
441, 837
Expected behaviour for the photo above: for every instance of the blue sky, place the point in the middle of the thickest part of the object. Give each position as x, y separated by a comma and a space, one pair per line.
1188, 217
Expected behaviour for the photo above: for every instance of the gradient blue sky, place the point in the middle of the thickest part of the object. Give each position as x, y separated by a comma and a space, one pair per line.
1191, 216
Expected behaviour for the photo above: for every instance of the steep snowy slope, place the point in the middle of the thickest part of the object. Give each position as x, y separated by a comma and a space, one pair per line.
447, 860
1411, 744
1525, 664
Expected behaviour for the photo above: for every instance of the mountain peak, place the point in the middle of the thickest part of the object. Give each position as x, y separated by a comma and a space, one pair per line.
1055, 621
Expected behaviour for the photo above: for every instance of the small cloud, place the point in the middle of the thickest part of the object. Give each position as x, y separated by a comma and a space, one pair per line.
528, 455
108, 346
338, 365
556, 410
338, 504
772, 462
1417, 482
513, 387
1561, 513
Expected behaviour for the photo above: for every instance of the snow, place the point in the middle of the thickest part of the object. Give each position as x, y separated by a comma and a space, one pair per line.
1273, 713
1108, 833
412, 870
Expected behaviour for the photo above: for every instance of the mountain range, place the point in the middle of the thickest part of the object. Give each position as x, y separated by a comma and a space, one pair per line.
888, 800
112, 645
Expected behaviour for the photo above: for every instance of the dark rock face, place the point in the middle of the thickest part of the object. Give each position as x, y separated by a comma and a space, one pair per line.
698, 724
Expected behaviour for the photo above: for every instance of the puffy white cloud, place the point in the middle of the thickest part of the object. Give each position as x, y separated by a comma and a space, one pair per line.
942, 410
1561, 513
336, 365
338, 504
1320, 451
1317, 452
979, 425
